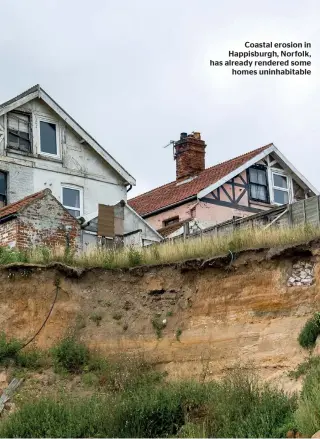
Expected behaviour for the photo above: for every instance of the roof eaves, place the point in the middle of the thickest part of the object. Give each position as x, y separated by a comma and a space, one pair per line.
87, 137
37, 92
144, 221
237, 171
295, 171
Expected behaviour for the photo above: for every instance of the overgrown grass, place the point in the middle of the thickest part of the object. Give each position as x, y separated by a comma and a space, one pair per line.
236, 407
309, 333
125, 373
307, 416
167, 252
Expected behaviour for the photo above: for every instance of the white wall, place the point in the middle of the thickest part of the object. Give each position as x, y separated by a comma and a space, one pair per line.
132, 222
78, 165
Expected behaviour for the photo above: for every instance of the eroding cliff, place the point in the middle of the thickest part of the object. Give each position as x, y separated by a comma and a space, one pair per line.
197, 318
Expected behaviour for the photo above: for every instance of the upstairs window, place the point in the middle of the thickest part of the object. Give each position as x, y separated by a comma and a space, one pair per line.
3, 189
72, 200
280, 188
258, 184
48, 138
19, 132
170, 221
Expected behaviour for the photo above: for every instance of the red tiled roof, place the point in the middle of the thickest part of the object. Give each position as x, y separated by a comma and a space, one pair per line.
18, 205
172, 193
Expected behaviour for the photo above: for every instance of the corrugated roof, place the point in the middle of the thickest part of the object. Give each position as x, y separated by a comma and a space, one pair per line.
174, 192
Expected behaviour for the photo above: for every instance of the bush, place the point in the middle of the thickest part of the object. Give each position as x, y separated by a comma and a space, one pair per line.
236, 407
309, 333
9, 256
304, 367
58, 418
134, 257
123, 374
30, 359
241, 407
70, 355
8, 348
307, 416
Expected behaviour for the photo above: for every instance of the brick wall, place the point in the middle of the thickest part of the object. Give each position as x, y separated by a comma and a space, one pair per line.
43, 223
189, 156
8, 233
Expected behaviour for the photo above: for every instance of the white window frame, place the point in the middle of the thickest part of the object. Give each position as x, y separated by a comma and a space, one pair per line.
273, 172
75, 188
53, 122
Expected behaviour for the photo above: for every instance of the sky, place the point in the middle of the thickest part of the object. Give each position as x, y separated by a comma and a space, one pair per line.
136, 73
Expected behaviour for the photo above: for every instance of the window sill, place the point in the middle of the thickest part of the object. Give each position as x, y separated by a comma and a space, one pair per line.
49, 158
16, 151
260, 203
35, 156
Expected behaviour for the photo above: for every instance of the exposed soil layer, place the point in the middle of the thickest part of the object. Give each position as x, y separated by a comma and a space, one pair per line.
196, 318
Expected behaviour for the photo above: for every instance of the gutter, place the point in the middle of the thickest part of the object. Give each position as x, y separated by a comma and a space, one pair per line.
8, 217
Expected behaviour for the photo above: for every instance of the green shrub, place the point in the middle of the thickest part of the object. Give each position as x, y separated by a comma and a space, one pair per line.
9, 256
123, 374
158, 326
31, 359
242, 407
8, 348
305, 367
135, 257
70, 355
309, 333
67, 417
307, 416
235, 407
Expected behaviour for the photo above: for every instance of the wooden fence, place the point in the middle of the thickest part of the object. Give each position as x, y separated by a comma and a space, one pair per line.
301, 212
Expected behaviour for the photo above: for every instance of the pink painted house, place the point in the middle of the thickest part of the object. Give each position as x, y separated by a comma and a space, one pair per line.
255, 181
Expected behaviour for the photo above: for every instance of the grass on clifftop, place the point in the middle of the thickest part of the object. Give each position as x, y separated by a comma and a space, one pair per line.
167, 252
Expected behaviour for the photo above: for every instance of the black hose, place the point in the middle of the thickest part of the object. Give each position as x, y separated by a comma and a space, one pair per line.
45, 321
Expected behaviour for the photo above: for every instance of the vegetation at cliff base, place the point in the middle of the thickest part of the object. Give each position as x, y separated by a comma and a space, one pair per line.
238, 406
309, 333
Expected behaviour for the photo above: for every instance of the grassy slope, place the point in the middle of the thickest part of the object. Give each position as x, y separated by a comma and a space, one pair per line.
167, 252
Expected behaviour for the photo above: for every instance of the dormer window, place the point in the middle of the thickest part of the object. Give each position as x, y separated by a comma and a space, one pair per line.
48, 138
19, 131
280, 188
258, 183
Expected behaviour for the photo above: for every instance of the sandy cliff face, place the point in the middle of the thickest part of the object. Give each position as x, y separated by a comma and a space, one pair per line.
217, 315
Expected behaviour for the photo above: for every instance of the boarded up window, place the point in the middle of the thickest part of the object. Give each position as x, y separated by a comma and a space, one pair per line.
106, 220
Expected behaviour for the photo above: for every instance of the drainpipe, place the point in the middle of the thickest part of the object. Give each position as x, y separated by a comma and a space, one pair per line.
130, 187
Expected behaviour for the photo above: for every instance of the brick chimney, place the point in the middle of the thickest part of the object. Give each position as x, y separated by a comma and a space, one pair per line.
189, 154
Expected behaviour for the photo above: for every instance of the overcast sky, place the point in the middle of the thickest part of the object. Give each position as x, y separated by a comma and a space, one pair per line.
136, 73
